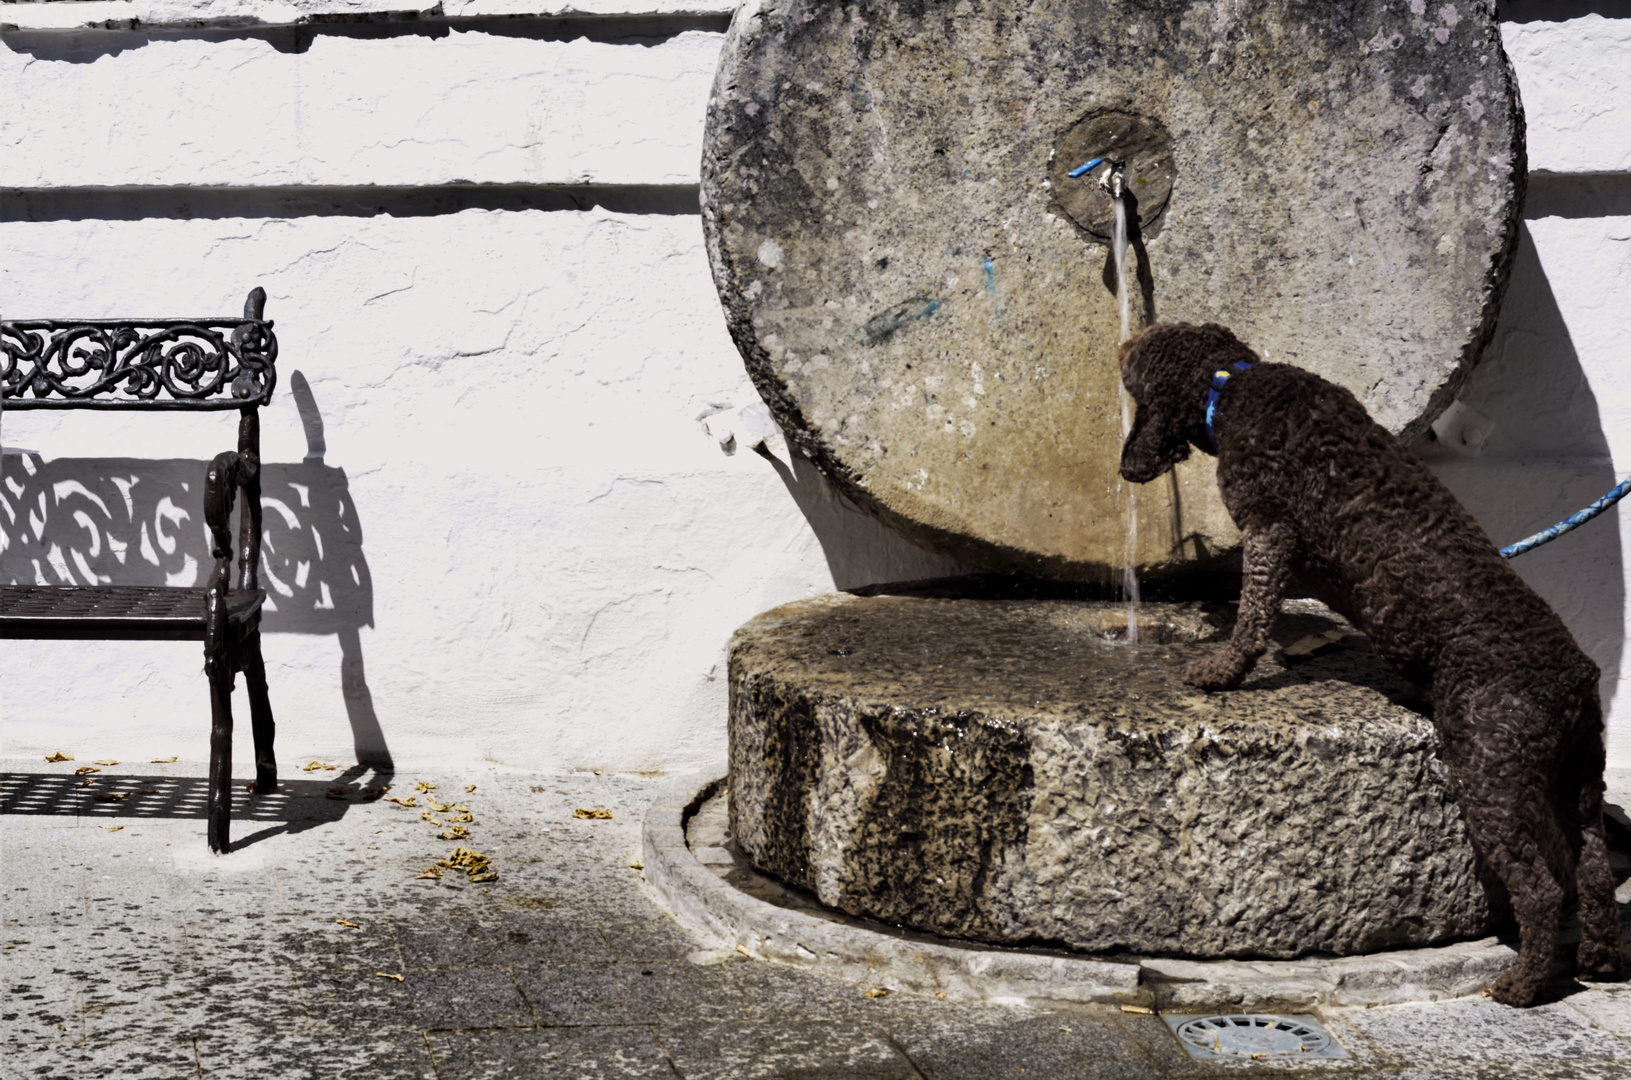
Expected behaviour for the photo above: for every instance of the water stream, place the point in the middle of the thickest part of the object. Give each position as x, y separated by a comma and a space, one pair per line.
1129, 563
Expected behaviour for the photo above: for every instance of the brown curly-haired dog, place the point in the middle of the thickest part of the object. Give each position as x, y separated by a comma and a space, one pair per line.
1321, 491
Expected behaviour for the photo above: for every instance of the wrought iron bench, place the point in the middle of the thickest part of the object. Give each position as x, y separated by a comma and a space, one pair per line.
164, 365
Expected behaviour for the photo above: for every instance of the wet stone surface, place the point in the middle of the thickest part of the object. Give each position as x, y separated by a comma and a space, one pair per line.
1000, 771
911, 282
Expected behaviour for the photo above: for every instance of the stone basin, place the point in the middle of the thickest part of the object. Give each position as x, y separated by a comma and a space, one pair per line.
1008, 771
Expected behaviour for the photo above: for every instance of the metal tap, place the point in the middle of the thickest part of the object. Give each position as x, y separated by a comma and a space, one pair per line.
1111, 179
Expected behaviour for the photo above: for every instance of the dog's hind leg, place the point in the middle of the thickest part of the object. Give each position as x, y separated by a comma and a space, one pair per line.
1599, 958
1510, 846
1502, 777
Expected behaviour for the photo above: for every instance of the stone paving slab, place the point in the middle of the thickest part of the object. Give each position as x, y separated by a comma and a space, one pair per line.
196, 965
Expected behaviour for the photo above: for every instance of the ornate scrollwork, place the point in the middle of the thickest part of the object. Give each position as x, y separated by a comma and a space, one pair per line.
150, 364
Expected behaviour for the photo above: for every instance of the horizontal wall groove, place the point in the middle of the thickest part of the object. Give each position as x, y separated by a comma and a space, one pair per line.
1578, 195
185, 203
1567, 195
85, 44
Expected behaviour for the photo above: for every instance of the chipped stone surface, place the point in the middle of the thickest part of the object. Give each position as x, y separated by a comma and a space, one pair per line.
931, 330
996, 770
550, 441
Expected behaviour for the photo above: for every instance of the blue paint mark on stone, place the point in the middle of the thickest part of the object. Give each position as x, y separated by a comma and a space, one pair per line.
886, 322
990, 275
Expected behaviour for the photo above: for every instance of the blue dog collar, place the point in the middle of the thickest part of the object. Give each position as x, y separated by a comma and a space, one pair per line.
1219, 378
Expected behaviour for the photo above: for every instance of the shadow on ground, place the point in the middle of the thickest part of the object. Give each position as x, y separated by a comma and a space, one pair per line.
297, 805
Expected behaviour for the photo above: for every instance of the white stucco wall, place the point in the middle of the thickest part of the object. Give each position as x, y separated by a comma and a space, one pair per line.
522, 541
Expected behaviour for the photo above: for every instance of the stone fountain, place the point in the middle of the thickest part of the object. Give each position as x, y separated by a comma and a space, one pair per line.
924, 297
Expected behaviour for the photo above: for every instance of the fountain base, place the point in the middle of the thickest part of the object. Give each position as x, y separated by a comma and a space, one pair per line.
1005, 772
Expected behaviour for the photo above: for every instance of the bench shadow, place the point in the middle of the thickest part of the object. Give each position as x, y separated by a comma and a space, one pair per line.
296, 806
140, 521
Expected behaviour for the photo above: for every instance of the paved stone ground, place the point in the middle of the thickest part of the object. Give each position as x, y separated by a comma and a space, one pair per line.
128, 950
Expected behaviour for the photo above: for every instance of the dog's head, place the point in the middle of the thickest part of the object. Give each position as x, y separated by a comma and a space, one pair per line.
1167, 370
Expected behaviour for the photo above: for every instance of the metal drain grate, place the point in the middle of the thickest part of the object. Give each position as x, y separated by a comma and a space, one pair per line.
1254, 1035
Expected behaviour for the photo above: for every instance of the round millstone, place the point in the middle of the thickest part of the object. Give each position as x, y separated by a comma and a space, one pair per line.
1005, 771
928, 305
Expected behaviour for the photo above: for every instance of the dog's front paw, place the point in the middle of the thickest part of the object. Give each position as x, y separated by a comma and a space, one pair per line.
1220, 671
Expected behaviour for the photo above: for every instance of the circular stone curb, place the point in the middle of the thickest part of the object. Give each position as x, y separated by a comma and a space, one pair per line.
706, 904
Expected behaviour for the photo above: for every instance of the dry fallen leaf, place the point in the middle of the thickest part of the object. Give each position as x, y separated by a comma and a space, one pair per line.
433, 873
439, 807
941, 994
59, 756
87, 782
112, 796
1313, 645
599, 813
400, 801
373, 793
426, 815
388, 975
466, 818
106, 761
111, 828
83, 769
1139, 1009
455, 832
473, 863
877, 992
314, 766
636, 864
348, 923
165, 760
422, 786
469, 789
338, 791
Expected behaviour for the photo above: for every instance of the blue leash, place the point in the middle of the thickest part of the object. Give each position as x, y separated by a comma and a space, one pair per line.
1221, 377
1574, 521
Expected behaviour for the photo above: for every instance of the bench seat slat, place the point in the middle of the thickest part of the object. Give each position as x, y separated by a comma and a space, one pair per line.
122, 612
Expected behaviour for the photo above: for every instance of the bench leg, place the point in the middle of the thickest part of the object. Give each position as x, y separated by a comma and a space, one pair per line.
260, 714
219, 670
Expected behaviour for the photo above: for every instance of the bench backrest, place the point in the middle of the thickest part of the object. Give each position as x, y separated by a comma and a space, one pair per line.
185, 364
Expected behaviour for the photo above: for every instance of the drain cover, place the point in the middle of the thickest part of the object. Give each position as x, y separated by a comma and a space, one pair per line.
1254, 1035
